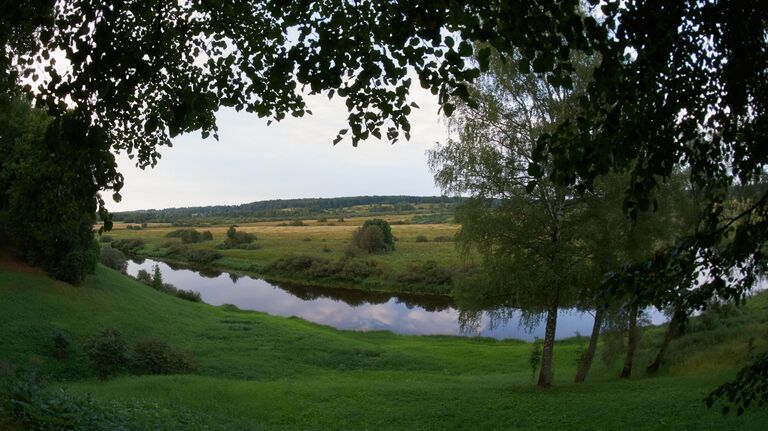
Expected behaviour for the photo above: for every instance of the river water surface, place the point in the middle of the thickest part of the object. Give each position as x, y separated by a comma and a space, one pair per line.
359, 310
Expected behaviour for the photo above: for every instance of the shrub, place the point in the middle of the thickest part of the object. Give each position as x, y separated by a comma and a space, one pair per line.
133, 227
345, 269
236, 239
307, 239
292, 263
60, 345
373, 236
426, 273
355, 269
144, 277
353, 252
535, 357
203, 256
105, 238
131, 245
113, 258
156, 282
31, 405
296, 223
107, 352
157, 357
157, 278
190, 236
322, 220
421, 238
613, 347
442, 238
189, 295
371, 239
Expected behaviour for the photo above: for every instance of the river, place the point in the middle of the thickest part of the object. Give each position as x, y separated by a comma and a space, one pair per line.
360, 310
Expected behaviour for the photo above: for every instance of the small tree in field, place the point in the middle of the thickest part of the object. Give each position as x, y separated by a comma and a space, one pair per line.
374, 236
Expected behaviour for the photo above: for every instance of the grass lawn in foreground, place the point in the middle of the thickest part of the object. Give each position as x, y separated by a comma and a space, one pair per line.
262, 372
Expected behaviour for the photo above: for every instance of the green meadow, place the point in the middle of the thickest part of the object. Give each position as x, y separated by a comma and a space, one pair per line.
256, 371
329, 240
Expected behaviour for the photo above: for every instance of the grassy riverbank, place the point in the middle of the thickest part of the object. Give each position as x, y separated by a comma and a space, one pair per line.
256, 371
424, 260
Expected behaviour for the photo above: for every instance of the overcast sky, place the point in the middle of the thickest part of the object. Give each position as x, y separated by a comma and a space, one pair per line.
291, 159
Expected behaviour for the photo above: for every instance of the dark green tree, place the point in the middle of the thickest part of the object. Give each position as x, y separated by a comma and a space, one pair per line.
48, 197
374, 236
522, 225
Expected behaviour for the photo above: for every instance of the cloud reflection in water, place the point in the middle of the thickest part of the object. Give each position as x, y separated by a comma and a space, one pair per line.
355, 310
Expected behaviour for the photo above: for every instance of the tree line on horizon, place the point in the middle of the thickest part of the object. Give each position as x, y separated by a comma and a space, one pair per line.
285, 208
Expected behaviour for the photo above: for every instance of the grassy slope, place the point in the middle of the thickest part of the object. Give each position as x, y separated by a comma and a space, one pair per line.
327, 240
264, 372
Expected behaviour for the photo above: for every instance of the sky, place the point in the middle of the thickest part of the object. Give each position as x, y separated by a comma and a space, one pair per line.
294, 158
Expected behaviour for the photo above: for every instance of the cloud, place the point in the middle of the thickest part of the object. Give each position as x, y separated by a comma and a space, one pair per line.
291, 159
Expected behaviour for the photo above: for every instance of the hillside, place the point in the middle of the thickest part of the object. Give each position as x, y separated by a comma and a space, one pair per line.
262, 372
288, 208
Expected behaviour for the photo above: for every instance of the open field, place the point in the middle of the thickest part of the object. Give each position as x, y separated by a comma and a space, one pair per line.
256, 371
329, 240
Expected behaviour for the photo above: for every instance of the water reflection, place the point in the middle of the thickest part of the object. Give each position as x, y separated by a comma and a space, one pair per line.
360, 310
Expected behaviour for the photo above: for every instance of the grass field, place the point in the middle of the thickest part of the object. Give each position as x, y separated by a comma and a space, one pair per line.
262, 372
329, 240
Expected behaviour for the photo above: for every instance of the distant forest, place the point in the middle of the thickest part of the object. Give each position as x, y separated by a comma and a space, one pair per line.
292, 208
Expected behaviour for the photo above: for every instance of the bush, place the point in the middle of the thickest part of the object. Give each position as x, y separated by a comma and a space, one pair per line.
129, 246
60, 345
421, 238
355, 269
374, 236
108, 353
353, 252
190, 236
293, 263
156, 282
105, 238
30, 404
188, 295
426, 273
296, 223
144, 277
133, 227
345, 269
203, 256
157, 357
236, 239
113, 258
371, 239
